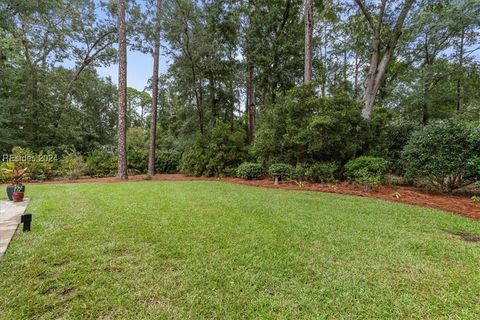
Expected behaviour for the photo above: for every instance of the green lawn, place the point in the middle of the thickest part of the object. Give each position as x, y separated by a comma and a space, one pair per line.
192, 250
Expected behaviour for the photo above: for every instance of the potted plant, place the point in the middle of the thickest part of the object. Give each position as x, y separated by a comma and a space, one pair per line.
18, 193
16, 176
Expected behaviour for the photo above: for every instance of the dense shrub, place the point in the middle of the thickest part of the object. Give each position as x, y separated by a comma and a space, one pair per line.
281, 170
439, 154
303, 127
322, 172
249, 171
474, 164
101, 164
193, 162
389, 141
137, 150
137, 160
167, 161
4, 178
72, 166
300, 172
366, 171
218, 152
41, 166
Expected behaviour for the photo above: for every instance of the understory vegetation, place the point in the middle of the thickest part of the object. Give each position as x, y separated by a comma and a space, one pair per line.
442, 155
362, 91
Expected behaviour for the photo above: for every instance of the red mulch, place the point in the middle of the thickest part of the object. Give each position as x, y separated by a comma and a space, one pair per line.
452, 203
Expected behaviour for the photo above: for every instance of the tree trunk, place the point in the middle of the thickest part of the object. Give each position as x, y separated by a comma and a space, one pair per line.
153, 121
308, 72
213, 100
251, 110
460, 64
357, 71
122, 92
379, 64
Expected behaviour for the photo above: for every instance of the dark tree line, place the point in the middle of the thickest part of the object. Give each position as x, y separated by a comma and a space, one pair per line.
231, 63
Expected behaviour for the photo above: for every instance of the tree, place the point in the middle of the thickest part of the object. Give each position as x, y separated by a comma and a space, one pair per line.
153, 119
380, 55
122, 92
307, 76
251, 107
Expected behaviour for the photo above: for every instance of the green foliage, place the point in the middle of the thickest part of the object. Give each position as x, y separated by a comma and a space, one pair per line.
137, 150
301, 171
302, 127
281, 170
193, 162
366, 171
72, 166
439, 153
167, 161
249, 171
218, 153
3, 176
41, 166
322, 172
474, 164
389, 140
137, 160
100, 163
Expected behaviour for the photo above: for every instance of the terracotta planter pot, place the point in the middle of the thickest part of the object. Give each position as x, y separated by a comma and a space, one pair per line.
17, 196
10, 190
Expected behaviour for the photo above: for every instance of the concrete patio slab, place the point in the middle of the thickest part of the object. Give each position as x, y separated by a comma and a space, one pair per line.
10, 217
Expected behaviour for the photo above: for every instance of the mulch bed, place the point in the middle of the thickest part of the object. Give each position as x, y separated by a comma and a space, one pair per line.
461, 205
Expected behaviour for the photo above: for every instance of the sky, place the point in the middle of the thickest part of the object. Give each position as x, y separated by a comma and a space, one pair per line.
139, 69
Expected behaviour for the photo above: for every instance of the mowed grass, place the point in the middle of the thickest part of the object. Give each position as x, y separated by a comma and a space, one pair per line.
195, 250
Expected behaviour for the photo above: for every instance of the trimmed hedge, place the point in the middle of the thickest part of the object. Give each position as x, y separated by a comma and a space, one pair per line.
250, 171
366, 171
281, 170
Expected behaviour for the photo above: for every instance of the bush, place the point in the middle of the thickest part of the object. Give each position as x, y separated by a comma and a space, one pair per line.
101, 164
390, 141
193, 162
72, 166
167, 161
366, 171
474, 164
439, 154
305, 128
137, 160
4, 177
249, 171
301, 170
322, 172
137, 150
41, 166
281, 170
217, 153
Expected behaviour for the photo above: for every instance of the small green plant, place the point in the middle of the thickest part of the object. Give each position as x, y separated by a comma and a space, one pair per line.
282, 171
250, 171
476, 199
397, 195
366, 171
